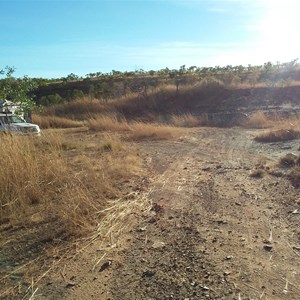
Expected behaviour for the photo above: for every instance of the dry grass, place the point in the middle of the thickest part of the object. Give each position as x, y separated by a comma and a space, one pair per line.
108, 123
28, 177
281, 135
281, 128
140, 130
185, 120
289, 123
55, 122
79, 109
135, 130
110, 143
40, 177
258, 120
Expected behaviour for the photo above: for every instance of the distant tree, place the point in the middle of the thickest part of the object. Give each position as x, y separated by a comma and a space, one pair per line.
116, 73
192, 69
72, 77
91, 75
182, 70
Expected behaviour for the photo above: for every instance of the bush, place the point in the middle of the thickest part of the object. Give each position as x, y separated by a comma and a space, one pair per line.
288, 161
294, 177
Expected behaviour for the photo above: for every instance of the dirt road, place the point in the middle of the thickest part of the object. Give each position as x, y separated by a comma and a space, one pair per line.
214, 232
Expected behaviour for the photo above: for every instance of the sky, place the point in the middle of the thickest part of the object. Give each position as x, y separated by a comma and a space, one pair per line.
53, 38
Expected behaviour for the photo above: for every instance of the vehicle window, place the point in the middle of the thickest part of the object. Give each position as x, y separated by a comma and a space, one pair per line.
16, 119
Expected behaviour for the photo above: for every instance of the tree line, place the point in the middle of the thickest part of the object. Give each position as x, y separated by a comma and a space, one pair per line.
104, 86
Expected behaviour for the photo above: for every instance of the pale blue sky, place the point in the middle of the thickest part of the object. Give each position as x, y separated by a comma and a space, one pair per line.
53, 38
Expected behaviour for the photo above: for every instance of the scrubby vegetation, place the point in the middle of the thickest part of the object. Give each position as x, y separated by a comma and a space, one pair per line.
107, 86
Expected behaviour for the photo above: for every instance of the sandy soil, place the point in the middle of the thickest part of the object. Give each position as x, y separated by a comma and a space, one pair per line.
213, 232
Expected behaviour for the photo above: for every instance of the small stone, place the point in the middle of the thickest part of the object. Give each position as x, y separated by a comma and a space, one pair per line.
148, 273
268, 247
141, 229
158, 244
105, 266
70, 284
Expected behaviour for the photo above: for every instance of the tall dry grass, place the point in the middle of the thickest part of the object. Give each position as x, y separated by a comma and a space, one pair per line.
108, 122
280, 128
185, 120
79, 109
258, 120
39, 177
140, 130
45, 122
28, 177
189, 120
134, 130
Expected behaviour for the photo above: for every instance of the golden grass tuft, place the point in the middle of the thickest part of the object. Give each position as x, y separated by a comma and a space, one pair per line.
55, 122
134, 130
108, 123
258, 120
185, 120
28, 177
110, 144
140, 130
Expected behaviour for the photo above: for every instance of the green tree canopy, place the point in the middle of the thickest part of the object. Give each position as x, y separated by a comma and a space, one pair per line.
17, 90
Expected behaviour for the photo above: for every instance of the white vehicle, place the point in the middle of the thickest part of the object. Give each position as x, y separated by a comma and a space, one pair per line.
11, 123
